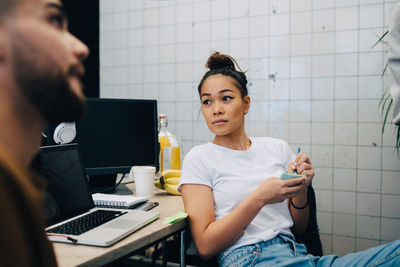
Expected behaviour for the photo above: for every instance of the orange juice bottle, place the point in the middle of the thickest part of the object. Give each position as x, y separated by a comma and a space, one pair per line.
170, 151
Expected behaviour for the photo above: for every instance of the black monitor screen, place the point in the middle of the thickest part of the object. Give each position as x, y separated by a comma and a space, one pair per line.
116, 134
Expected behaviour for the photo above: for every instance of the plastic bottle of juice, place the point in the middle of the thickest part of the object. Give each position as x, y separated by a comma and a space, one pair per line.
170, 150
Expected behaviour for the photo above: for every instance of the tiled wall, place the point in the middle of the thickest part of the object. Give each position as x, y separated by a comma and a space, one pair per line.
314, 80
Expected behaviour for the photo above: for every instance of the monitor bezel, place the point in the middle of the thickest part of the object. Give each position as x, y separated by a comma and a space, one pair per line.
126, 169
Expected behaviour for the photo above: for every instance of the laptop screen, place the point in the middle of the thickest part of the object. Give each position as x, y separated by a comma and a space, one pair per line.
67, 192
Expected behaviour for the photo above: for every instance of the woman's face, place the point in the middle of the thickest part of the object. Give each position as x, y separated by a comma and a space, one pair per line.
222, 105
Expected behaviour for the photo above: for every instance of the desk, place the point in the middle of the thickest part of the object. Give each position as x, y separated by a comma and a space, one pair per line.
79, 255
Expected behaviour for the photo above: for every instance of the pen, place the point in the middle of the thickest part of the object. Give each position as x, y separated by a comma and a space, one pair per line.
298, 151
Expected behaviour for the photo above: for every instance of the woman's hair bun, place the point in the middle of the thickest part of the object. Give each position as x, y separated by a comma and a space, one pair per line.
223, 64
220, 61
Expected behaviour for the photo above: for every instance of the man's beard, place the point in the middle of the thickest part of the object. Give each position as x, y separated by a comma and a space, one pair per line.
47, 88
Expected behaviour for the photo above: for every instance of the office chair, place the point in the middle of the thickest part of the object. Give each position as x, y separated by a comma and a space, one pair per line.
311, 238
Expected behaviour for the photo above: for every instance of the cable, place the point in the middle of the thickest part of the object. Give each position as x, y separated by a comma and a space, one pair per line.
73, 240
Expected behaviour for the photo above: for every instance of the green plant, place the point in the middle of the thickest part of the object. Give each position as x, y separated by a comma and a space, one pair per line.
386, 101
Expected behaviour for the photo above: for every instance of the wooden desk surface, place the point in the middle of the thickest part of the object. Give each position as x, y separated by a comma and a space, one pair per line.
79, 255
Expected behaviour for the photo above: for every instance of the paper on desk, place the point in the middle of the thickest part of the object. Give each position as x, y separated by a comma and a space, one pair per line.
179, 216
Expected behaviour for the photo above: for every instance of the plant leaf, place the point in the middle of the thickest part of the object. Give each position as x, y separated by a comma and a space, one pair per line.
380, 39
386, 115
384, 70
398, 138
384, 104
383, 97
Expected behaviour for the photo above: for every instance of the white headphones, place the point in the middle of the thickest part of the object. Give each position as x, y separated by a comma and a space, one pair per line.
64, 133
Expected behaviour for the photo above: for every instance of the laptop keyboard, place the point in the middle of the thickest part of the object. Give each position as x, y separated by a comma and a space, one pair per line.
85, 223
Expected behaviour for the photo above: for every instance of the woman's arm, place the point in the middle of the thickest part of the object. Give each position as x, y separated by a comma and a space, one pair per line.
212, 236
299, 216
298, 205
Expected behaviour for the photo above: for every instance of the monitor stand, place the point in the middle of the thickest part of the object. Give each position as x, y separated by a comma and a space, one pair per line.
106, 183
122, 189
102, 180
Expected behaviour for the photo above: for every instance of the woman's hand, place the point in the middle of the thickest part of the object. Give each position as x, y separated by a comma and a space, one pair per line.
300, 216
212, 236
304, 167
275, 190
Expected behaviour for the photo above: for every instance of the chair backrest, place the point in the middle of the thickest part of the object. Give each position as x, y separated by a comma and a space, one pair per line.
310, 238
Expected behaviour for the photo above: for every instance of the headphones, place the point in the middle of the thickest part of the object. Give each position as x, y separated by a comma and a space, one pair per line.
64, 133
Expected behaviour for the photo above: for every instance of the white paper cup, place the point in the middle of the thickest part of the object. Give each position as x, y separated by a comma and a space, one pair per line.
144, 180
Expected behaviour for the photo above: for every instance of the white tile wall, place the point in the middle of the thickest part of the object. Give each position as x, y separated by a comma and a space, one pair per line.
345, 156
324, 180
325, 222
324, 200
323, 43
369, 157
344, 202
279, 6
323, 20
345, 133
363, 244
371, 16
326, 241
390, 206
370, 181
346, 88
390, 229
324, 96
342, 245
322, 133
346, 64
323, 155
323, 88
301, 22
346, 18
368, 204
346, 41
344, 224
345, 179
368, 227
323, 65
390, 182
326, 110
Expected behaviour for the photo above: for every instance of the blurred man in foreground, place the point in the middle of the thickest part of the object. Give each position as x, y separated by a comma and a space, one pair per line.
40, 72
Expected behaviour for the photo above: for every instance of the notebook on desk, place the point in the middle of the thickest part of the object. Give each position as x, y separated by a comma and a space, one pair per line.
70, 214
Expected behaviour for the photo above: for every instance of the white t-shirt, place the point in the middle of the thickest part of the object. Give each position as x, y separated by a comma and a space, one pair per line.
233, 174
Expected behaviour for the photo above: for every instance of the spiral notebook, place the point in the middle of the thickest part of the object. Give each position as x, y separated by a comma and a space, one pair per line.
117, 201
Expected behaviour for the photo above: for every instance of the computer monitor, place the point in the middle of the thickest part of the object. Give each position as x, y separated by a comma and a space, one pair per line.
116, 134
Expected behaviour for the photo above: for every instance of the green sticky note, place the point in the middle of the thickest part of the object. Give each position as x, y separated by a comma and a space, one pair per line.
287, 176
179, 216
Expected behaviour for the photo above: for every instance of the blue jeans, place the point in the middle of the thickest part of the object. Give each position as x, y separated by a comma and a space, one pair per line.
284, 251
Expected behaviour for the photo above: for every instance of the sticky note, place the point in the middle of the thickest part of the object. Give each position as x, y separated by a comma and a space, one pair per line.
179, 216
287, 176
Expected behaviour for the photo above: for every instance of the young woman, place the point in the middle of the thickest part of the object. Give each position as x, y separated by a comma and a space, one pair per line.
238, 208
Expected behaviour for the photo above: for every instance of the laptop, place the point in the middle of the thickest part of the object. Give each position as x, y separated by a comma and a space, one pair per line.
70, 214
